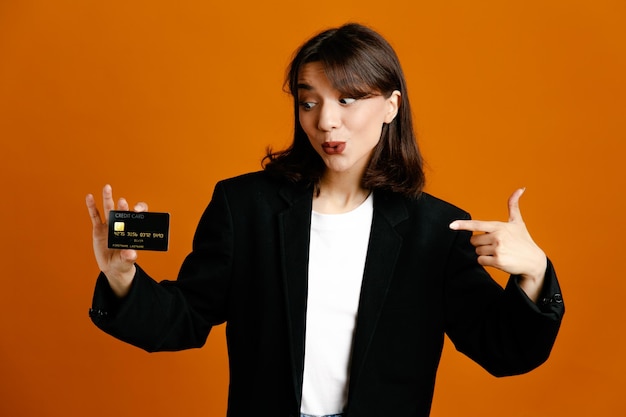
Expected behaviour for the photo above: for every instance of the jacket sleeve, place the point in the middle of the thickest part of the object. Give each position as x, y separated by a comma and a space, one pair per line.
175, 315
501, 329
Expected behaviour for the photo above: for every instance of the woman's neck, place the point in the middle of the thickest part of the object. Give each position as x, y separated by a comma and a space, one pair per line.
338, 194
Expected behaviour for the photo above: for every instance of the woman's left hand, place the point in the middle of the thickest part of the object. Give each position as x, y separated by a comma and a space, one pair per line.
508, 247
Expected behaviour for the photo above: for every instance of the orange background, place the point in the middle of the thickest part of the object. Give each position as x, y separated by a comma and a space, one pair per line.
162, 99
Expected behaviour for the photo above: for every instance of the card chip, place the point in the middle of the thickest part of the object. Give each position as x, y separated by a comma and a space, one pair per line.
118, 226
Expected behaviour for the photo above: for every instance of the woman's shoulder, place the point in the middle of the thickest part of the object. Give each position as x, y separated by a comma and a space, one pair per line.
252, 180
424, 209
261, 184
432, 206
431, 200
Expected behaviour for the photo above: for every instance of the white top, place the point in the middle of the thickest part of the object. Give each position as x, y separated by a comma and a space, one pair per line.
337, 254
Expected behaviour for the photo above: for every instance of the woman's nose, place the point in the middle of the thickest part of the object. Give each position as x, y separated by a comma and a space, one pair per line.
329, 117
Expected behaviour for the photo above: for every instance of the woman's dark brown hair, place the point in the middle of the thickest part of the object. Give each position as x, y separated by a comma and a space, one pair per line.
357, 61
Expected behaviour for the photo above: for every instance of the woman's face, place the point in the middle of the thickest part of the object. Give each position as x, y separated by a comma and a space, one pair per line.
342, 130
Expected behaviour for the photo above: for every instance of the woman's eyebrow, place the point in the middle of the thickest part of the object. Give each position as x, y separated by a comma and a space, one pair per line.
304, 86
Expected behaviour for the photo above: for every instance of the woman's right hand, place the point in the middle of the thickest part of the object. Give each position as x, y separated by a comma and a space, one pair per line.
117, 265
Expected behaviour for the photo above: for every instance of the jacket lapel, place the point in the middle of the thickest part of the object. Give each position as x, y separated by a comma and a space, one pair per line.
295, 228
384, 247
382, 253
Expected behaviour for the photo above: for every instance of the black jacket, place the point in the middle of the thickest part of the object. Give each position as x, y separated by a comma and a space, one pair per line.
248, 268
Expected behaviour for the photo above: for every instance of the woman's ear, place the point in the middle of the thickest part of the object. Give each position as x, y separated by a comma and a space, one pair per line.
393, 102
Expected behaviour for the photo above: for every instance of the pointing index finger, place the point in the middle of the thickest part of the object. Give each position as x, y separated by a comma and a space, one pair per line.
474, 226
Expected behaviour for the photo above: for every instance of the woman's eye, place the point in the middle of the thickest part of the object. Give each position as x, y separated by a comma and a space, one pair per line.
307, 105
347, 100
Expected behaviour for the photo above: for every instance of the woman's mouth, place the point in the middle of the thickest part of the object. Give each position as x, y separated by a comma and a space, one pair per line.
333, 148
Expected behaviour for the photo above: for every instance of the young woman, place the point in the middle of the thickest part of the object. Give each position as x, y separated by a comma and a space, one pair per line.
336, 276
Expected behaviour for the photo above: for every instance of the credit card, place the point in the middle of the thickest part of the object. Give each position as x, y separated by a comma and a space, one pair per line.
141, 231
